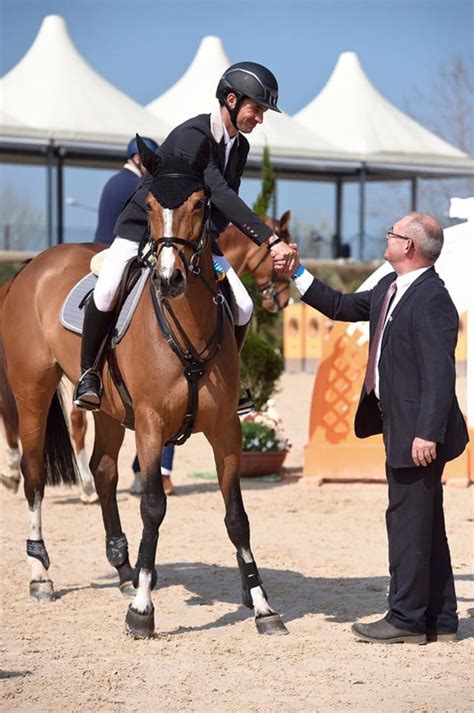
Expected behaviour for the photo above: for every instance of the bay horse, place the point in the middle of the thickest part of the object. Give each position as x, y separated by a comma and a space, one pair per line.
182, 280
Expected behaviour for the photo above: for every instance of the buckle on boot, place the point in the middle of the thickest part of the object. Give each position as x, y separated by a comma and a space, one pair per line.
88, 391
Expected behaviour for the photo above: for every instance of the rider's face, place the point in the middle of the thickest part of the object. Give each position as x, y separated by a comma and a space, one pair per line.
250, 114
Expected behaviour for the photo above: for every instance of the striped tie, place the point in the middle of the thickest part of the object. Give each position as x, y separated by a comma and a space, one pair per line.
370, 373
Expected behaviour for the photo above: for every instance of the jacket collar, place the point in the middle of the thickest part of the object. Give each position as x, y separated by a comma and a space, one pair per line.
217, 126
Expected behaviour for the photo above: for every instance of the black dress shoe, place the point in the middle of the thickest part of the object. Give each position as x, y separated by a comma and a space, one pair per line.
382, 632
88, 391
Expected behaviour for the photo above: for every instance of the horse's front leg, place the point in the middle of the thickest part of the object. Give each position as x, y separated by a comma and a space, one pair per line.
140, 619
227, 446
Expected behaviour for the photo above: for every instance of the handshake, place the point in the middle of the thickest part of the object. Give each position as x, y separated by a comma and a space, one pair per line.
285, 257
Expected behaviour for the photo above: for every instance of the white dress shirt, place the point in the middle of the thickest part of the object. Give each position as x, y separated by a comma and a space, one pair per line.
403, 282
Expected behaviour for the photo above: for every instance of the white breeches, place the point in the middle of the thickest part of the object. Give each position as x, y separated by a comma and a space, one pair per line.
116, 257
122, 250
242, 298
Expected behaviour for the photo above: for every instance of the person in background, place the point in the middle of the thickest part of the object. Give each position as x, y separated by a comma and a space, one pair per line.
409, 396
115, 194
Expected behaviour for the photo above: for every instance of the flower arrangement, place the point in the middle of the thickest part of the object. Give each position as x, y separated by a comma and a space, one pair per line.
262, 431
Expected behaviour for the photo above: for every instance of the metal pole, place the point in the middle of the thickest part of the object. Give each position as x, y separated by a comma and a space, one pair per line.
275, 201
414, 193
49, 192
59, 201
337, 237
362, 213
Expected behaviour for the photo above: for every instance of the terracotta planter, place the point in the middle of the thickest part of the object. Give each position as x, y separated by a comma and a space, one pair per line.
255, 463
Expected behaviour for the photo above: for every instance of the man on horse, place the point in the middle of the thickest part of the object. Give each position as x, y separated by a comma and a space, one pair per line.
245, 92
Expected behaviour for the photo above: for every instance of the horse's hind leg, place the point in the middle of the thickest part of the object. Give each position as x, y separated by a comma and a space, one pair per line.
78, 432
108, 439
227, 447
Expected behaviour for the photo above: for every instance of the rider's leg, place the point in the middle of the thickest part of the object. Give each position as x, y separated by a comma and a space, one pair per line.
98, 318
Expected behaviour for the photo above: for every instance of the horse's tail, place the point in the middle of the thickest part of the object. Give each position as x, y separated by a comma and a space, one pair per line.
59, 459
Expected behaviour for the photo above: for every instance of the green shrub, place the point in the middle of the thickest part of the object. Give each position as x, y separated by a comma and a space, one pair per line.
261, 366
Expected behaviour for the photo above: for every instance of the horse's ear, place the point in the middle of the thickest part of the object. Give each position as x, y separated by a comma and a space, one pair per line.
149, 159
284, 220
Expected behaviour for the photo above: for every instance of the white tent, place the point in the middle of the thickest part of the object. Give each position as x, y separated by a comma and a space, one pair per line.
57, 93
351, 114
194, 93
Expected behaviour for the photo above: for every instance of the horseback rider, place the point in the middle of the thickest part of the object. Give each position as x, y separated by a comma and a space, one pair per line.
245, 92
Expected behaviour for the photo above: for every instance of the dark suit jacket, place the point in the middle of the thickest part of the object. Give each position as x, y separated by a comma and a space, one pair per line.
115, 194
416, 366
226, 206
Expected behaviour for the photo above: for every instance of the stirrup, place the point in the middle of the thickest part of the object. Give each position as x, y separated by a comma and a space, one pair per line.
246, 403
91, 395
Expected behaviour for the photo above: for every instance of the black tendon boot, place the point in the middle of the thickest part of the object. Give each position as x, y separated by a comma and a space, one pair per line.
246, 404
88, 391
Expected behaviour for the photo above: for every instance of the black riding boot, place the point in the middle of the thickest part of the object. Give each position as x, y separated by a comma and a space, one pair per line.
88, 391
246, 404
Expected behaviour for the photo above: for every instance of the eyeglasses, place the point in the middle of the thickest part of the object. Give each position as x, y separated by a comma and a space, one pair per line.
396, 235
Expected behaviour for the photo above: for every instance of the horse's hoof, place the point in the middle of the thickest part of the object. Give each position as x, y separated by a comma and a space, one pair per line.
89, 499
140, 626
11, 483
41, 590
271, 624
127, 589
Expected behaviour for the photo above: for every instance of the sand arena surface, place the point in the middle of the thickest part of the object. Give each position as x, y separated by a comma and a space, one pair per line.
322, 554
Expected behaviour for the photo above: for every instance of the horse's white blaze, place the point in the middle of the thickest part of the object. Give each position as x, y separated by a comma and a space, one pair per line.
142, 601
167, 254
12, 469
38, 570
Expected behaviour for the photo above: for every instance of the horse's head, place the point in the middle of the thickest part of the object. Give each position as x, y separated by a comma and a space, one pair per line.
177, 208
275, 290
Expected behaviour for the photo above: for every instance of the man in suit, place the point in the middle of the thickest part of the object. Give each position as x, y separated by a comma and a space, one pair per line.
409, 396
245, 92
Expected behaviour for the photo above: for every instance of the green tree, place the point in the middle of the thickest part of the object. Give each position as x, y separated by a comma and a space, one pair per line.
262, 202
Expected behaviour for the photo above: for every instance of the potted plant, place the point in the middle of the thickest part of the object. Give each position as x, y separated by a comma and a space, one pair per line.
264, 445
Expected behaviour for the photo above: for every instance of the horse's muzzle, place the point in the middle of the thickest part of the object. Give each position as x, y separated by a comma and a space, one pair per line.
172, 287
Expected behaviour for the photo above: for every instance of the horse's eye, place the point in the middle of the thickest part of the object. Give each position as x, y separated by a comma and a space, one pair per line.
199, 205
148, 208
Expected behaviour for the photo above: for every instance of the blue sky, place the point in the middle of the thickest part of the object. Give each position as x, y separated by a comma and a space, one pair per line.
143, 47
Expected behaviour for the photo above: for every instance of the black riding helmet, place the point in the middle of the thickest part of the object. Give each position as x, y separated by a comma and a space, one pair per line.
248, 79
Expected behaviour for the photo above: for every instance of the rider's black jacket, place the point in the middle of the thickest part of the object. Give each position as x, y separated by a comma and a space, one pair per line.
226, 206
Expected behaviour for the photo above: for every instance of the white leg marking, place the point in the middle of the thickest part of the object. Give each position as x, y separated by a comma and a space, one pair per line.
88, 494
142, 602
12, 469
260, 604
167, 254
38, 571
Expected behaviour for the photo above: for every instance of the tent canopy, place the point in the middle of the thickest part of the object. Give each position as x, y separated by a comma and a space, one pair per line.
351, 114
57, 93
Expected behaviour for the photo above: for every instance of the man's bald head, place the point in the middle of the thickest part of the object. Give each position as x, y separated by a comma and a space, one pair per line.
427, 233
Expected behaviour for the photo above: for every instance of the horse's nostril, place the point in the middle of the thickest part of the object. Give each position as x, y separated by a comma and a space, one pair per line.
177, 278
